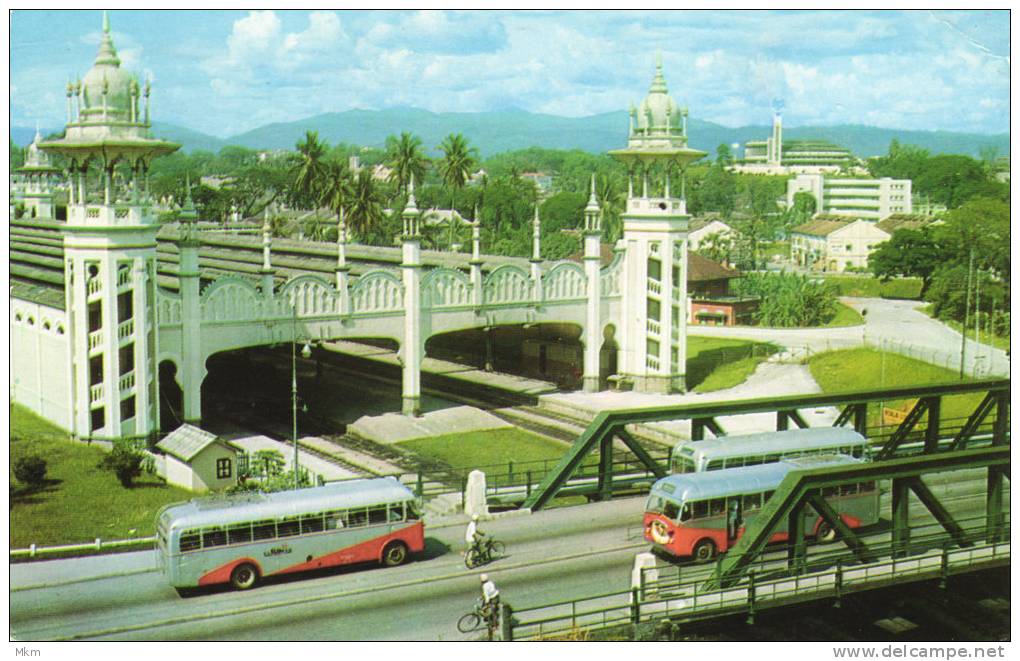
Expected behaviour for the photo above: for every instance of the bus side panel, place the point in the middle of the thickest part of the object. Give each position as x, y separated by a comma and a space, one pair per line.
367, 551
222, 573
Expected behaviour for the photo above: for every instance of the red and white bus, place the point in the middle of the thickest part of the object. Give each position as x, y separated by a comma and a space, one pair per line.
240, 539
701, 514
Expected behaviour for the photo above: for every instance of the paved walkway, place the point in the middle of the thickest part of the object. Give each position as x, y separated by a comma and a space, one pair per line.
770, 379
897, 326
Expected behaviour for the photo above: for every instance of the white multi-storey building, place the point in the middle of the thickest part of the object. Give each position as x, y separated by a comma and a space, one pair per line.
869, 199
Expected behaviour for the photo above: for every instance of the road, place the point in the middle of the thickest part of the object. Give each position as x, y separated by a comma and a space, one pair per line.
896, 325
554, 555
418, 601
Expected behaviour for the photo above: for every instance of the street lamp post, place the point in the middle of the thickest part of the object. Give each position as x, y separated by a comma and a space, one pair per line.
306, 351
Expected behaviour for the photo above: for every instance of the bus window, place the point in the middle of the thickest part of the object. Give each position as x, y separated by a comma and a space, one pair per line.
396, 512
377, 514
263, 530
829, 492
715, 465
239, 533
865, 487
288, 527
671, 510
716, 506
753, 461
765, 497
190, 541
683, 465
311, 523
771, 458
685, 513
857, 451
700, 510
213, 537
848, 489
411, 509
335, 520
752, 501
357, 518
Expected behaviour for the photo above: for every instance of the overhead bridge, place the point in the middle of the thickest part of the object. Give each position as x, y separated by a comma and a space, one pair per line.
923, 431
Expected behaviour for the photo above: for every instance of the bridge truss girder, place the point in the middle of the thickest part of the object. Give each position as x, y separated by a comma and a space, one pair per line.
803, 488
854, 405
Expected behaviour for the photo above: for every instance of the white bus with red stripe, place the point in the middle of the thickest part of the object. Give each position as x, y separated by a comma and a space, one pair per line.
701, 514
240, 539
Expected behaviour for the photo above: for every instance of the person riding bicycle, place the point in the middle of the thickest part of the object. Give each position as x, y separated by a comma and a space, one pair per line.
490, 600
473, 536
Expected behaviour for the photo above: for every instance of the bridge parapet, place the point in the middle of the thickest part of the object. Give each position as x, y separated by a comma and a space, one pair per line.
377, 292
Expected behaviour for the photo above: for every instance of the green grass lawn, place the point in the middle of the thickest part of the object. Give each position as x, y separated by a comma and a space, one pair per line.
845, 316
79, 502
492, 447
867, 287
716, 364
865, 369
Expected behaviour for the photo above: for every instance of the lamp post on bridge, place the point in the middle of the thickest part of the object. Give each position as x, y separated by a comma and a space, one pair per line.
306, 352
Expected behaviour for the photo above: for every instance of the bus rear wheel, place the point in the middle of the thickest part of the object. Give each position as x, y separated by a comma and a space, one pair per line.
394, 554
704, 551
826, 533
244, 576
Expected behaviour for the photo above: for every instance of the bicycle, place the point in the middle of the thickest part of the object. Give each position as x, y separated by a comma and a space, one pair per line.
473, 621
484, 552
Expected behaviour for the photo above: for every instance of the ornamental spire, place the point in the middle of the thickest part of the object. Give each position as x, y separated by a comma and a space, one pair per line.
659, 81
107, 52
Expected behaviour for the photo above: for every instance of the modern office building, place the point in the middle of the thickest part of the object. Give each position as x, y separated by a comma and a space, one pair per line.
869, 199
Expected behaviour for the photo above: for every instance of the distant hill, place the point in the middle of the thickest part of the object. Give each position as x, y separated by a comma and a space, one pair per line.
499, 131
494, 132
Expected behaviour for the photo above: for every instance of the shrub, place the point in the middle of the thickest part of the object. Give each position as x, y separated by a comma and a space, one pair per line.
30, 470
788, 299
125, 463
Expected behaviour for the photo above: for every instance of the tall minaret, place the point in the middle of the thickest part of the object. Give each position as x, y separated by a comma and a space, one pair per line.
654, 284
774, 146
592, 273
412, 348
110, 255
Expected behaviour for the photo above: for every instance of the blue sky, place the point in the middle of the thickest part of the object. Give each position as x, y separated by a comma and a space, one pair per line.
225, 72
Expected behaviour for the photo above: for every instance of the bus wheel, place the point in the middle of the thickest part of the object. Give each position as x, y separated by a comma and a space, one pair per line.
826, 534
394, 554
244, 576
704, 550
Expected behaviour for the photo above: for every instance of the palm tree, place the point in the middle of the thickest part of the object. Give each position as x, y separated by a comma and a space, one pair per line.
310, 169
405, 157
456, 165
336, 189
365, 210
609, 191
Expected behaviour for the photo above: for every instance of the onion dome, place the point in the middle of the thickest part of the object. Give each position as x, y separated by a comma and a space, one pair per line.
658, 113
108, 90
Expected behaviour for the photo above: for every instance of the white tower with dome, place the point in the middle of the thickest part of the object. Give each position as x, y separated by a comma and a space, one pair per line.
110, 249
653, 342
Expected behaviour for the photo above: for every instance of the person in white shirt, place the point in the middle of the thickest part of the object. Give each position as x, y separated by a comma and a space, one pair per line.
490, 600
473, 536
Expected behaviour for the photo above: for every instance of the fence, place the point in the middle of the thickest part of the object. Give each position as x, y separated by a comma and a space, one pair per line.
980, 359
829, 576
626, 607
96, 546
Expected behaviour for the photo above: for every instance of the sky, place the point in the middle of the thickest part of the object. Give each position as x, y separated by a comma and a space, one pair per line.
226, 72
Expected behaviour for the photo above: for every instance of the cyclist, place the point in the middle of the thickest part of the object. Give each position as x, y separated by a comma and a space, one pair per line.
473, 536
490, 600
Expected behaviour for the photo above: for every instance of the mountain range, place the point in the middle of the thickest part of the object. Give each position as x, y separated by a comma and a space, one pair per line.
498, 131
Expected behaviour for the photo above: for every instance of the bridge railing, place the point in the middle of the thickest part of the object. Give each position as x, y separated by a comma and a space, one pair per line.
571, 619
688, 576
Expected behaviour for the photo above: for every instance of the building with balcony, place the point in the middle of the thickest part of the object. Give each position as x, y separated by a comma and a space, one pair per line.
868, 199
